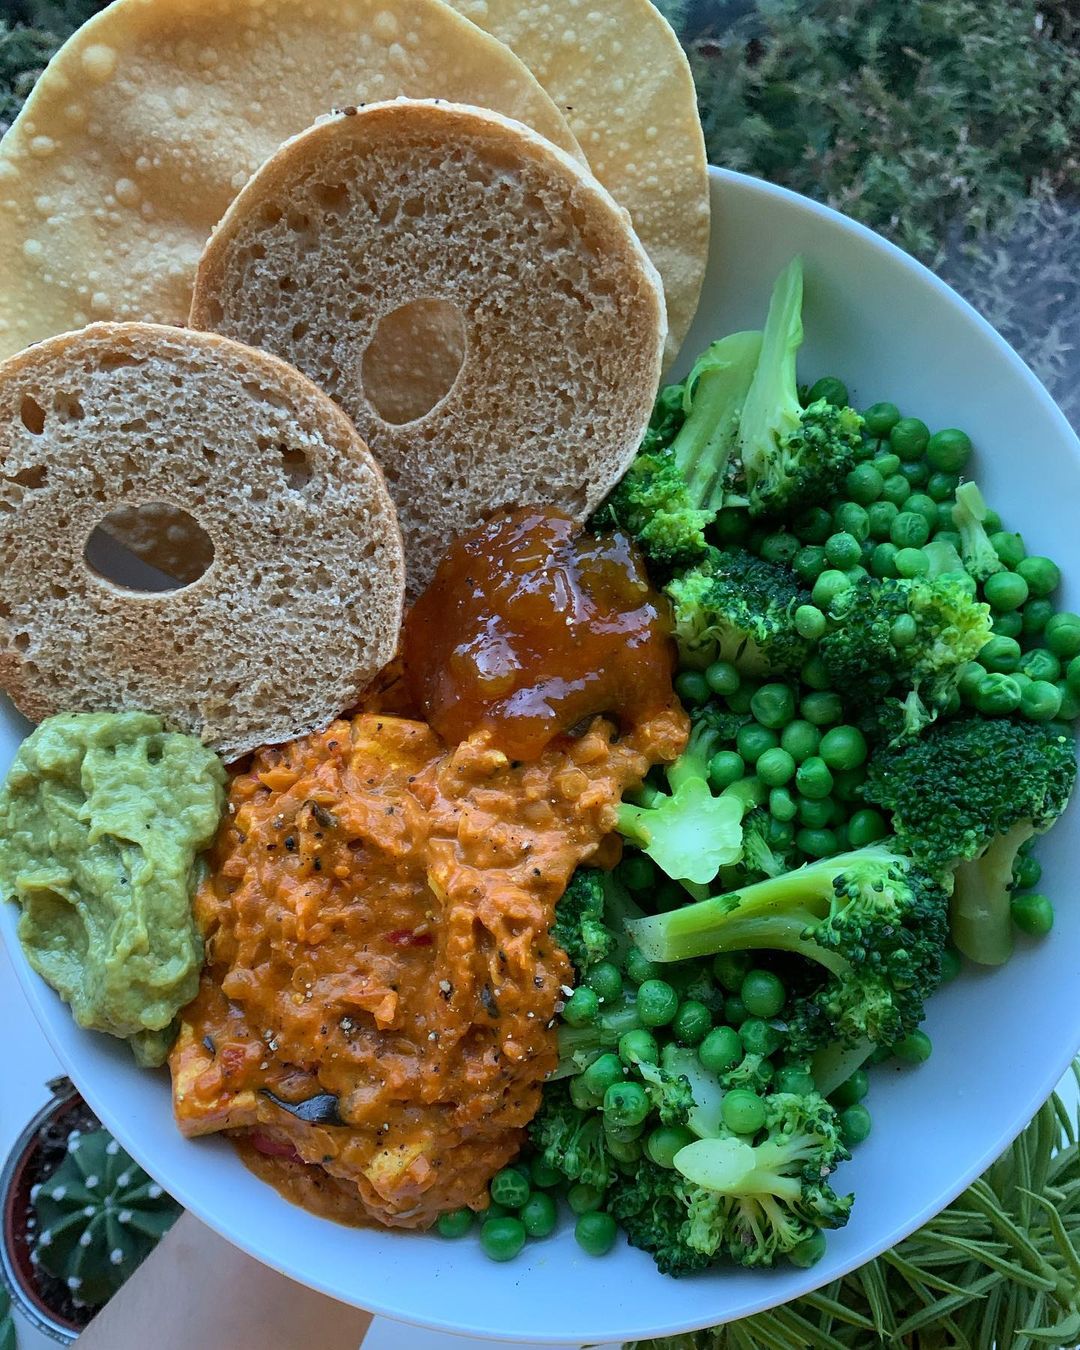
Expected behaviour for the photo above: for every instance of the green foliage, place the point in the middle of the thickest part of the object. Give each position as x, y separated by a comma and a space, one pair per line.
98, 1217
7, 1324
30, 31
997, 1268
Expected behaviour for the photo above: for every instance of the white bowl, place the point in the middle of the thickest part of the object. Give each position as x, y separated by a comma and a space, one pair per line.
1001, 1040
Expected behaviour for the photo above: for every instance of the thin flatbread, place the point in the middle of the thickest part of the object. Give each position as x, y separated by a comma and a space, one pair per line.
152, 117
615, 68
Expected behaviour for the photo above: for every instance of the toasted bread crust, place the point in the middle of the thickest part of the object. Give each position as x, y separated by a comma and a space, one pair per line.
301, 604
409, 201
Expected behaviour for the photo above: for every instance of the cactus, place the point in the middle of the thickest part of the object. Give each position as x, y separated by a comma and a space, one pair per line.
7, 1326
98, 1217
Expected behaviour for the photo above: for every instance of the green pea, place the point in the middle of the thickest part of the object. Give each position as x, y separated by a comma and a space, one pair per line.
580, 1095
1001, 654
1040, 664
1032, 913
1005, 590
828, 586
818, 843
848, 783
944, 522
1042, 575
842, 550
942, 487
1036, 615
909, 438
895, 489
657, 1003
582, 1007
729, 969
855, 1124
753, 740
692, 687
637, 1046
782, 808
582, 1198
863, 484
722, 678
911, 562
502, 1239
1072, 678
969, 678
951, 964
775, 767
917, 472
773, 705
816, 814
809, 563
742, 1111
883, 560
1009, 548
509, 1188
1063, 635
813, 778
851, 1090
903, 631
801, 738
779, 547
720, 1050
734, 1010
792, 1078
808, 1252
454, 1223
909, 530
1008, 625
604, 979
880, 418
623, 1150
763, 994
637, 871
602, 1072
865, 827
639, 968
843, 747
921, 504
539, 1215
1040, 701
829, 388
821, 707
760, 1037
915, 1048
851, 518
626, 1104
881, 516
815, 674
814, 525
1026, 872
665, 1141
543, 1175
998, 695
1070, 703
949, 449
691, 1023
726, 767
731, 525
886, 463
810, 623
595, 1233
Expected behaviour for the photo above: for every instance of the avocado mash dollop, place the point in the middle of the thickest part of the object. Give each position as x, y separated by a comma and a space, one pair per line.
102, 819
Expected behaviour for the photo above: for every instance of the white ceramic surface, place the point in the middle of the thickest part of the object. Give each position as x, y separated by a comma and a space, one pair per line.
1002, 1040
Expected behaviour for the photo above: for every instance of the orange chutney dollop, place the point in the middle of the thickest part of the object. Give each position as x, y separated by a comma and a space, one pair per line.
532, 625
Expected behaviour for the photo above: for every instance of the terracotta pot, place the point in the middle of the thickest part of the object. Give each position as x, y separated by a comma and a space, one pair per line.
20, 1171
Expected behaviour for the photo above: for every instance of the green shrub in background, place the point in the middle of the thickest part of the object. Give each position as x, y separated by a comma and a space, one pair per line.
951, 126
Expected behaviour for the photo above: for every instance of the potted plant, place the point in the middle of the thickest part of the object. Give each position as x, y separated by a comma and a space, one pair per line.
79, 1217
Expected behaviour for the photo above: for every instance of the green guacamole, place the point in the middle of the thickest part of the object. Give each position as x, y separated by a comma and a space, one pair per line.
102, 818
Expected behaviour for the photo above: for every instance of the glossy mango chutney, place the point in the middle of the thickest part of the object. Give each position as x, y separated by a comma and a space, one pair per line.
530, 627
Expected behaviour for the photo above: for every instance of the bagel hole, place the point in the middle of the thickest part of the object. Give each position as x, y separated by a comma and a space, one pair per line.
149, 549
413, 359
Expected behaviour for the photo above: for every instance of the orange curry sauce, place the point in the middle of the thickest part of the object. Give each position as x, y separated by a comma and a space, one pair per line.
377, 1010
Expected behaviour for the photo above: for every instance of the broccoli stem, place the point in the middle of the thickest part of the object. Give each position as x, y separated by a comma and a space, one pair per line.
834, 1064
579, 1046
979, 914
716, 391
772, 410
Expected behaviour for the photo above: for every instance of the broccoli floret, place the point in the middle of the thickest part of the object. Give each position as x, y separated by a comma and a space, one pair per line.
791, 456
736, 607
759, 856
580, 928
670, 1093
675, 486
874, 919
966, 794
755, 1202
917, 632
753, 1072
570, 1140
689, 833
705, 1088
650, 1205
980, 557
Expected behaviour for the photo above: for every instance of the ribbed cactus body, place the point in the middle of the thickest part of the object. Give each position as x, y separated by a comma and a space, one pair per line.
98, 1217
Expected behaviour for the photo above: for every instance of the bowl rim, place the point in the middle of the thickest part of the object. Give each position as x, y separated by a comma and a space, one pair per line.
219, 1219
